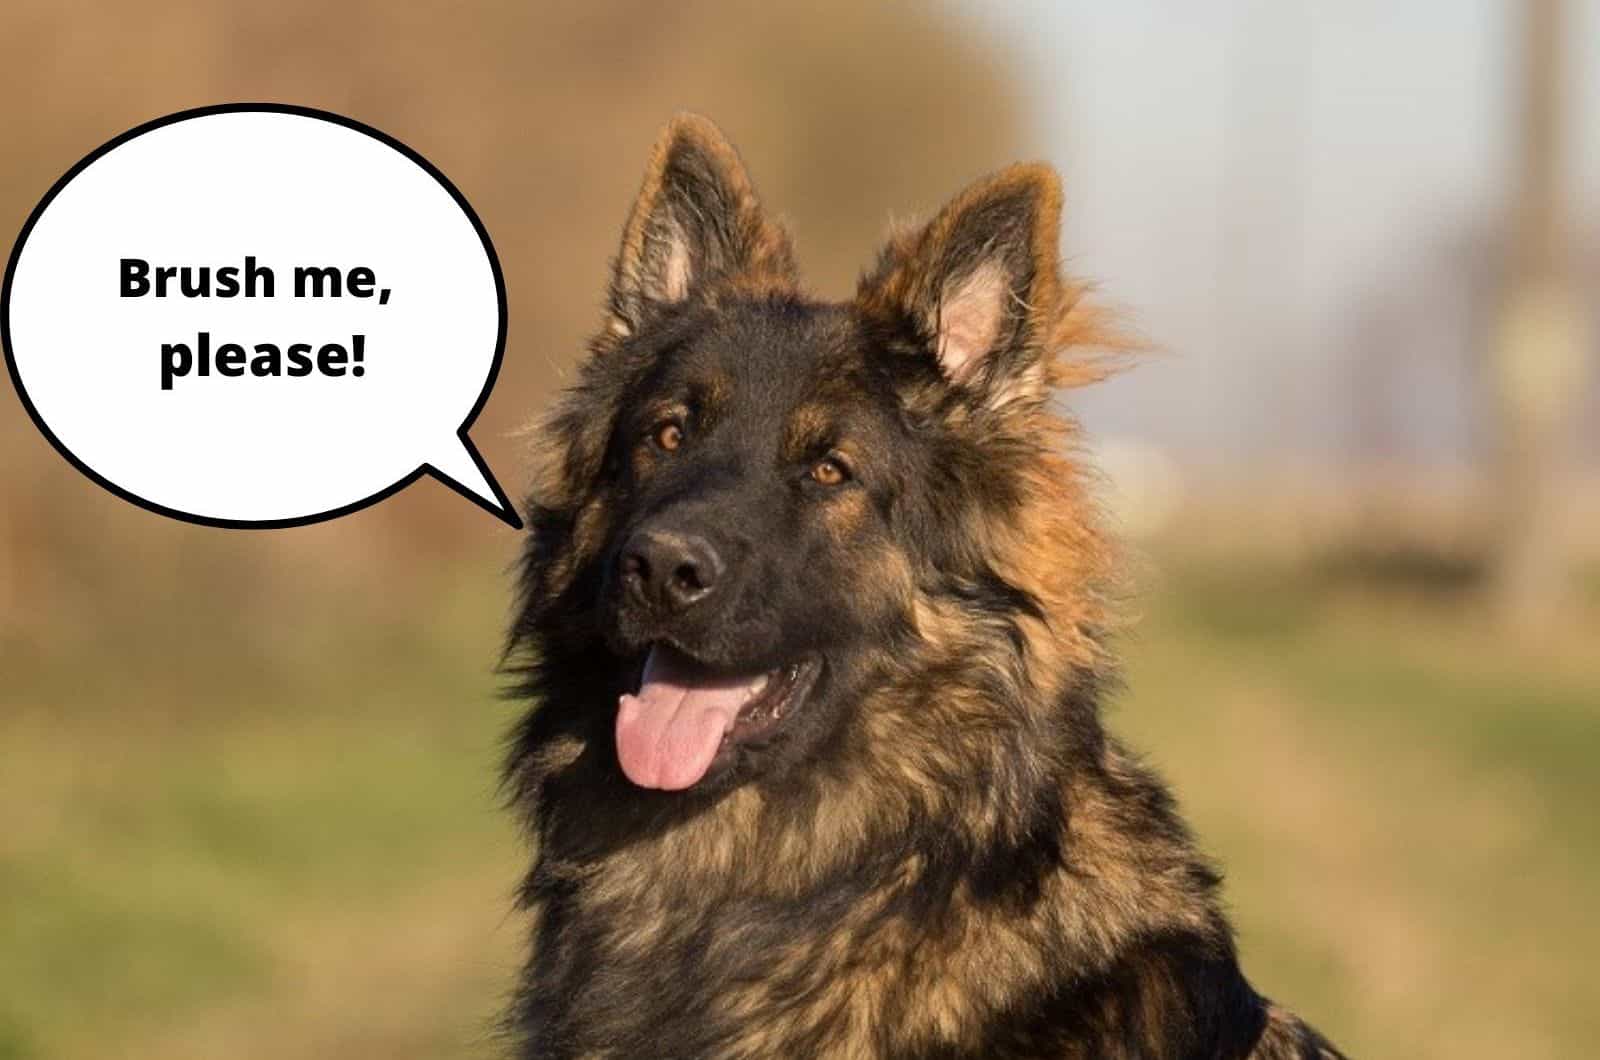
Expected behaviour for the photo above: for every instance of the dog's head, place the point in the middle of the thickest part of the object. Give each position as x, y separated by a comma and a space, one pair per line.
765, 522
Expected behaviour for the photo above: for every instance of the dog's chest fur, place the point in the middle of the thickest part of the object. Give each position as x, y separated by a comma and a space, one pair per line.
1114, 948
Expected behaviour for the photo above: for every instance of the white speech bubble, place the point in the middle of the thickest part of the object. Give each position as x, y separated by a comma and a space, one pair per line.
363, 395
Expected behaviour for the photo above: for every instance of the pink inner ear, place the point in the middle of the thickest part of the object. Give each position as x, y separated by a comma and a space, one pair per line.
970, 314
675, 272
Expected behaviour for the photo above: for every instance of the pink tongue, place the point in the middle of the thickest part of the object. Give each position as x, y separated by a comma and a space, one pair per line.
668, 734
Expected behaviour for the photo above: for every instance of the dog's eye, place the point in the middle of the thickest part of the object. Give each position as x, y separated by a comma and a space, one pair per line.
830, 472
669, 435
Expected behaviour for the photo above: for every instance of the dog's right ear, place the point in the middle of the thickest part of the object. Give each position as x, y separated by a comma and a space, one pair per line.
696, 221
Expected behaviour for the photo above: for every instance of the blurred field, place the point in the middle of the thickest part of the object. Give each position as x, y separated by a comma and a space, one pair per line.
246, 836
243, 837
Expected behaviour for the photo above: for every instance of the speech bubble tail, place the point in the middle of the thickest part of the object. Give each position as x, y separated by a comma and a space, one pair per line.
461, 467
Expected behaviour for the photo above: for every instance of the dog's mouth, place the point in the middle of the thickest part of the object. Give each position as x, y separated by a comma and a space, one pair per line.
685, 716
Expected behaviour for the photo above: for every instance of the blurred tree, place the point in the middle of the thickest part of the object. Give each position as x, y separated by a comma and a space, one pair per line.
1540, 354
542, 114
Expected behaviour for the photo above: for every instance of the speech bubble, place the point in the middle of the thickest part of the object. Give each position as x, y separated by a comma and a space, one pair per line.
257, 316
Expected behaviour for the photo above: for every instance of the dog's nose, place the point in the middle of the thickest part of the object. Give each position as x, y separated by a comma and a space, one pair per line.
669, 571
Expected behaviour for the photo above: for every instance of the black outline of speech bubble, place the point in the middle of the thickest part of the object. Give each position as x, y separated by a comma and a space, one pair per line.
506, 513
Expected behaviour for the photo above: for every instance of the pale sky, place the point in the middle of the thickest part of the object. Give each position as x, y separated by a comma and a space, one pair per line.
1244, 176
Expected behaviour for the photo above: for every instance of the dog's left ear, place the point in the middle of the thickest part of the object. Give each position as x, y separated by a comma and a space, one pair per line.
696, 221
979, 286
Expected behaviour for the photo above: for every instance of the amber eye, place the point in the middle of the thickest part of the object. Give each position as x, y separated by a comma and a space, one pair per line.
669, 435
829, 472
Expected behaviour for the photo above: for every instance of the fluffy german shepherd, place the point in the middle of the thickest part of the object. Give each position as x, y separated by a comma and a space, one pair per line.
813, 619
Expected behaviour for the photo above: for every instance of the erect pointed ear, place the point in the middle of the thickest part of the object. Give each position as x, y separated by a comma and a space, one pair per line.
697, 220
980, 284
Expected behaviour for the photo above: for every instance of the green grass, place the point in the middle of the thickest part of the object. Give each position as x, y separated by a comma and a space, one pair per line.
239, 835
308, 863
1401, 796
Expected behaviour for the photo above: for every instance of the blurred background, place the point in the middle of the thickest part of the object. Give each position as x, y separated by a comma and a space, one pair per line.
248, 778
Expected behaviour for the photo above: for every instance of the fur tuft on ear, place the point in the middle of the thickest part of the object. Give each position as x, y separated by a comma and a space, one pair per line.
697, 221
981, 288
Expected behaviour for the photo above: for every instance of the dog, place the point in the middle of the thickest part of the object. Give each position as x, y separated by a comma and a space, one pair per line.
814, 625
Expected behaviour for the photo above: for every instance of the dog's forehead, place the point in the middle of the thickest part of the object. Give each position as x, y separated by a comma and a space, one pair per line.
778, 361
